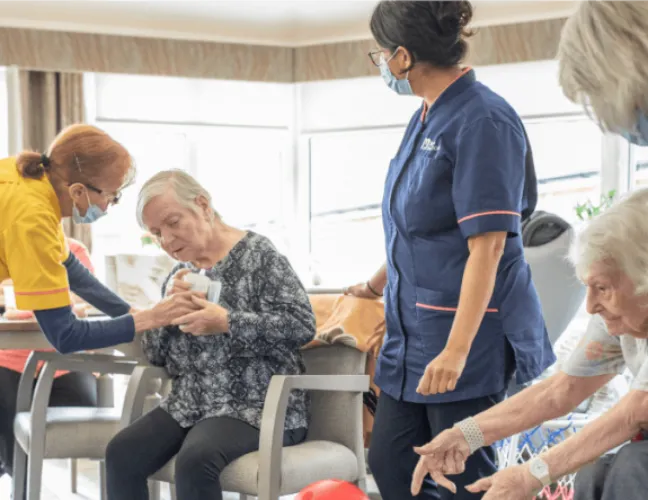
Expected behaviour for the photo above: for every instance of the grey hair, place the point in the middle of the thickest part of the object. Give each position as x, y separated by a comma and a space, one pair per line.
618, 236
602, 61
185, 188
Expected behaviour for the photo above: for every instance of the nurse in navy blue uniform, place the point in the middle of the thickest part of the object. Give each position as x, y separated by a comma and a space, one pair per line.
461, 311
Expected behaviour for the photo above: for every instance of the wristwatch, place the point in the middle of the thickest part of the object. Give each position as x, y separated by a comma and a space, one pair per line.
540, 470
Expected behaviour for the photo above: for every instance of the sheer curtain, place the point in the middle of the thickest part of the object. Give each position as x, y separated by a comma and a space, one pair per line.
50, 101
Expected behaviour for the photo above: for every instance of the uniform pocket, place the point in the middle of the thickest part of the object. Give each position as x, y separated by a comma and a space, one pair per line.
434, 302
435, 314
435, 311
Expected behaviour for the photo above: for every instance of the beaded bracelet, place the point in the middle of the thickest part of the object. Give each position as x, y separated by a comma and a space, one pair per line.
371, 289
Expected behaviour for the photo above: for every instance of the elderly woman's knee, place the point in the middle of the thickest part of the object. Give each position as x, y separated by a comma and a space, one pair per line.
192, 460
590, 479
632, 459
119, 454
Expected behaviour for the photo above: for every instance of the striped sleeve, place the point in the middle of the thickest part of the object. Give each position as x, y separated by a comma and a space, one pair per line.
488, 178
35, 252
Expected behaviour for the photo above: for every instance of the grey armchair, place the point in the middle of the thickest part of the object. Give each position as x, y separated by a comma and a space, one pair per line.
65, 432
561, 293
334, 447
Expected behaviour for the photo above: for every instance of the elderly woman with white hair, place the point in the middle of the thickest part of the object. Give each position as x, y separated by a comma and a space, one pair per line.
612, 259
220, 358
603, 54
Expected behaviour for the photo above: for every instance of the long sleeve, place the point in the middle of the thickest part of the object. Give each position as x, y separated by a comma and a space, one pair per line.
69, 334
285, 318
155, 344
90, 289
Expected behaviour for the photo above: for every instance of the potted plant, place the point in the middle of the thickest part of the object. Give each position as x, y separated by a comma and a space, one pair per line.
148, 239
588, 210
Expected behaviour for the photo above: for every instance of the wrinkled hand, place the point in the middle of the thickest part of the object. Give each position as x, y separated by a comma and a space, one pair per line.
210, 318
361, 290
442, 373
512, 483
445, 455
175, 306
375, 341
177, 284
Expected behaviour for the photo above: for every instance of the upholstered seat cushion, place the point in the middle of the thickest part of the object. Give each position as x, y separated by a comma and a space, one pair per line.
72, 432
301, 465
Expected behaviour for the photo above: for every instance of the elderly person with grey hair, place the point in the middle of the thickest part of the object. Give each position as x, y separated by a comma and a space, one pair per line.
220, 358
603, 54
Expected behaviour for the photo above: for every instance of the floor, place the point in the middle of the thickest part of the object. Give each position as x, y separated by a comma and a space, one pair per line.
56, 480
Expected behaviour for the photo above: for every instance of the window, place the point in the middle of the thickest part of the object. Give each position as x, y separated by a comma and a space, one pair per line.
568, 157
639, 157
347, 172
119, 232
238, 153
4, 115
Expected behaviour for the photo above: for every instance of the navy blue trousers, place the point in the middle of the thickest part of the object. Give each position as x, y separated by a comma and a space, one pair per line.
399, 426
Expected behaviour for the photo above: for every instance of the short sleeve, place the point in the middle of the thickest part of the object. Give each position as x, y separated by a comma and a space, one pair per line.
598, 353
35, 249
488, 178
640, 382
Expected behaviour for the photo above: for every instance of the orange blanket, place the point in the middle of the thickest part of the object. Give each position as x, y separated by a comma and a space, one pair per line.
354, 322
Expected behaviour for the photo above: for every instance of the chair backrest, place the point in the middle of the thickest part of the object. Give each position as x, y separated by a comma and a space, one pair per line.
335, 416
561, 292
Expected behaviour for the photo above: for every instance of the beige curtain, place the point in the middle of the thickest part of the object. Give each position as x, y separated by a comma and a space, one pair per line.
50, 102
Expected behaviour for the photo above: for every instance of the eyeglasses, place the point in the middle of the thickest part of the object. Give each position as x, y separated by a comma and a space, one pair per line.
112, 199
377, 57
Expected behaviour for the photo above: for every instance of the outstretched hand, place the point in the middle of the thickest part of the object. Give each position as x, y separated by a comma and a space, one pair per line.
445, 455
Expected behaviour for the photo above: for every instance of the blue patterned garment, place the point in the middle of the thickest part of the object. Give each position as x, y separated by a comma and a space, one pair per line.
227, 375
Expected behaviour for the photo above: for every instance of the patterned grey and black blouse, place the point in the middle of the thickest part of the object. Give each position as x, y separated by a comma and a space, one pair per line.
227, 375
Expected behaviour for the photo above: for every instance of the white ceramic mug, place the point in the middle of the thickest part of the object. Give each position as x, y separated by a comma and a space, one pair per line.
201, 283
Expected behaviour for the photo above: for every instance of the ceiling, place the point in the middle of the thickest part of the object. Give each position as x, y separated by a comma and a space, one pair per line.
266, 22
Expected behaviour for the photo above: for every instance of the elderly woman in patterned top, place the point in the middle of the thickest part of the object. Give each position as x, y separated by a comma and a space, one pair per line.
222, 357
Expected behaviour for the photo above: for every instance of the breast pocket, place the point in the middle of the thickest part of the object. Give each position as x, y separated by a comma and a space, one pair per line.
435, 314
429, 195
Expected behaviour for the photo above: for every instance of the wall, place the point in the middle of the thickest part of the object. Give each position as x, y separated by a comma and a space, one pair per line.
65, 51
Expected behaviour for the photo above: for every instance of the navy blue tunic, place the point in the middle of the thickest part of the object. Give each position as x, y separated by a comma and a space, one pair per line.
459, 172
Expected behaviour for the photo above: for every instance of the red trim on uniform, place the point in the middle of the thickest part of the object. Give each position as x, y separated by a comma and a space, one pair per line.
492, 212
448, 309
48, 292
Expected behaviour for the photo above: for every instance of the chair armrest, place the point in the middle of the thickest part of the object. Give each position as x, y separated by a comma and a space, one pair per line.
74, 362
137, 391
274, 416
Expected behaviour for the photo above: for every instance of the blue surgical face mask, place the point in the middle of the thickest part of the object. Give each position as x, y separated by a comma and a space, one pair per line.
640, 135
401, 87
93, 213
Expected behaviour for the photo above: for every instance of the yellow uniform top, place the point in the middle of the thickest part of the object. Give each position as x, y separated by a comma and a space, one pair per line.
32, 243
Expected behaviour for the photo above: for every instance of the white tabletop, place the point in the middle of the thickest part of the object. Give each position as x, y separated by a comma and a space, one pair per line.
28, 335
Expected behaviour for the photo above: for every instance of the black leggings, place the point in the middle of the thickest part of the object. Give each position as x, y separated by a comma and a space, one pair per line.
72, 389
203, 451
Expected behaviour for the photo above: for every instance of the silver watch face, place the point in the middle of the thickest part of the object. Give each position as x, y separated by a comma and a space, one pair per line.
539, 468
